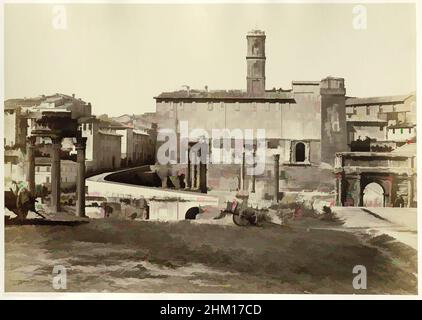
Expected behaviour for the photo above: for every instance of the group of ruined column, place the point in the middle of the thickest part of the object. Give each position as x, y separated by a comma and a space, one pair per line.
55, 172
192, 174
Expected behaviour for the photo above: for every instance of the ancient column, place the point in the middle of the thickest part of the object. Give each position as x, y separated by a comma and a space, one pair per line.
80, 180
410, 191
410, 183
339, 185
203, 177
359, 194
195, 176
276, 176
55, 174
243, 172
202, 173
189, 173
253, 170
30, 164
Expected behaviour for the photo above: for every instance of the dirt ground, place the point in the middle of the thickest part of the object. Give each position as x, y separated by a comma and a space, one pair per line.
145, 256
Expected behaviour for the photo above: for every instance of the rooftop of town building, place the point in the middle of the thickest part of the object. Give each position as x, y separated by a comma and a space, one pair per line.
353, 101
240, 95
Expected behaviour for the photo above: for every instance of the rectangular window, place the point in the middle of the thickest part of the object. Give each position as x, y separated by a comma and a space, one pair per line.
410, 130
38, 169
48, 169
401, 130
394, 131
47, 179
272, 144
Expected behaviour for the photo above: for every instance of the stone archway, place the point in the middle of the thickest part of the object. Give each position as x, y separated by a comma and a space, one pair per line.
373, 195
191, 213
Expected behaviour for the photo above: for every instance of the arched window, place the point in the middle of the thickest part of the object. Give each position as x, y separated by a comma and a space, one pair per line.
300, 152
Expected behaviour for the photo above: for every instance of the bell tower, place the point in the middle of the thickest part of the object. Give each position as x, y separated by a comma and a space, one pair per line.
255, 60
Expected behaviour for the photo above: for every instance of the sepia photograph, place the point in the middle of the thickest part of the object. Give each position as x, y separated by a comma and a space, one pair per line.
214, 148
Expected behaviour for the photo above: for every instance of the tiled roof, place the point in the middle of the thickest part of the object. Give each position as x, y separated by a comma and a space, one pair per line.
376, 100
407, 148
307, 83
223, 95
109, 133
36, 101
367, 120
141, 132
402, 125
113, 124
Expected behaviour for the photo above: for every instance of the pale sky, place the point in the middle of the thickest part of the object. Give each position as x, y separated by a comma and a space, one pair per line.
118, 57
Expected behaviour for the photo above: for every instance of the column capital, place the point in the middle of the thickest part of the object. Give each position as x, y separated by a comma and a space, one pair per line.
276, 157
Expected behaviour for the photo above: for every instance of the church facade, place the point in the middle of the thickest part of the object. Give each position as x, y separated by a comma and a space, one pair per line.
305, 125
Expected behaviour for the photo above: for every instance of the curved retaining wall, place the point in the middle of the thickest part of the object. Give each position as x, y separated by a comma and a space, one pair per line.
164, 204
